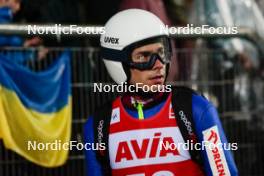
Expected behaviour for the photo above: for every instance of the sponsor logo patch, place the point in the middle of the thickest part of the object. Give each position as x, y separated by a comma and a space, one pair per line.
115, 117
111, 40
215, 153
142, 147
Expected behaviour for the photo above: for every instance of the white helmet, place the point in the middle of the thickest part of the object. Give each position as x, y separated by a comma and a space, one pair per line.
126, 29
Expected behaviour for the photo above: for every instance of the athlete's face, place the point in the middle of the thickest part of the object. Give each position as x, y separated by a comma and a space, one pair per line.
155, 75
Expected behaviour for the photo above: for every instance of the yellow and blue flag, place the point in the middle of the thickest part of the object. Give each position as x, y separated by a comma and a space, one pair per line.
36, 109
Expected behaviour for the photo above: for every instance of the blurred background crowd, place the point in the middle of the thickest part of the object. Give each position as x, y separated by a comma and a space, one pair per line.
245, 13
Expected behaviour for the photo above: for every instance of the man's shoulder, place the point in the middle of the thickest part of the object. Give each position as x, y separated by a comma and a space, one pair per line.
200, 105
102, 108
184, 91
197, 97
104, 105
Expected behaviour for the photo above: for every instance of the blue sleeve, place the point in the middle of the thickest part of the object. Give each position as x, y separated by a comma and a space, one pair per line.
5, 15
93, 167
205, 118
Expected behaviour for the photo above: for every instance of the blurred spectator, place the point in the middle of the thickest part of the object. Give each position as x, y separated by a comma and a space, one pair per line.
50, 12
261, 5
8, 8
180, 13
13, 5
97, 13
156, 7
239, 59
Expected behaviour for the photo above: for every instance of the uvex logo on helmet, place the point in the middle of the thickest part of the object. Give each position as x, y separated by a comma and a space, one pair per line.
111, 40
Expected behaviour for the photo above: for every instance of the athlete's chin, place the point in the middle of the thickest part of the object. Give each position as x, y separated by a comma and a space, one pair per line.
156, 81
